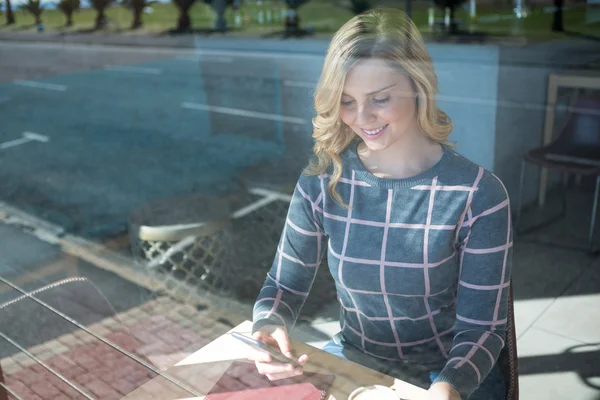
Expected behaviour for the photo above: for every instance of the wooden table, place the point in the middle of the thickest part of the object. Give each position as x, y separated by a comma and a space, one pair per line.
580, 79
202, 369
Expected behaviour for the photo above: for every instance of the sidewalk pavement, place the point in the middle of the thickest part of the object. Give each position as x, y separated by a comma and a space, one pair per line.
316, 45
161, 332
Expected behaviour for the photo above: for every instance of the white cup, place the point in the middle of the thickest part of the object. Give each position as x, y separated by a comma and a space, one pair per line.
373, 392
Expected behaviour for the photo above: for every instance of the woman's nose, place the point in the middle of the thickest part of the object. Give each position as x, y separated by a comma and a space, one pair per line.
364, 115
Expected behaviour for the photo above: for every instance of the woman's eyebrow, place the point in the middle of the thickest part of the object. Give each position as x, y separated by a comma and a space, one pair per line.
375, 91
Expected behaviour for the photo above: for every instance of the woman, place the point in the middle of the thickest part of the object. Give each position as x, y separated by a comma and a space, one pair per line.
419, 238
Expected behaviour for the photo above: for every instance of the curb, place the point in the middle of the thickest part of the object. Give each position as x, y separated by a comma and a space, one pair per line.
104, 258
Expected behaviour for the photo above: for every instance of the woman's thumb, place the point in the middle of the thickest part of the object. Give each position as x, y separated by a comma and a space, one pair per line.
283, 341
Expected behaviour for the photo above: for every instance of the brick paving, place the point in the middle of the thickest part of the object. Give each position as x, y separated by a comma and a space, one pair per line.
161, 332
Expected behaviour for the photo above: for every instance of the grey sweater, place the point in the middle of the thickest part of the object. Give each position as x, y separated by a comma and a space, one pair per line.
422, 265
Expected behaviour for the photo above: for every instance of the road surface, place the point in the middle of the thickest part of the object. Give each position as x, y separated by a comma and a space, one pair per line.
90, 133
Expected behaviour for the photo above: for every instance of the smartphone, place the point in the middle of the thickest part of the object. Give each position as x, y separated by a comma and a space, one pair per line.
276, 354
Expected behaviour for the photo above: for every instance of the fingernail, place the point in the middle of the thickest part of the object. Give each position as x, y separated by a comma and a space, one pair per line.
297, 372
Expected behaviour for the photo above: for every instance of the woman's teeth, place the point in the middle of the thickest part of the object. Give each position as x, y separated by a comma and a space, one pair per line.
374, 132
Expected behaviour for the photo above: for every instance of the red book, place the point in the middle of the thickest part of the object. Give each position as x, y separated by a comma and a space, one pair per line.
243, 382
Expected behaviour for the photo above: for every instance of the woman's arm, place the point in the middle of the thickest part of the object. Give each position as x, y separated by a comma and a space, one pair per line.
299, 254
484, 279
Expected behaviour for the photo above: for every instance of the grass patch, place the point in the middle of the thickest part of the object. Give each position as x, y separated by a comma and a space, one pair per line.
322, 16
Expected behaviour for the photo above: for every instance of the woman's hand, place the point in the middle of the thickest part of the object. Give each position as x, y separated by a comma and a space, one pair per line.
443, 391
275, 336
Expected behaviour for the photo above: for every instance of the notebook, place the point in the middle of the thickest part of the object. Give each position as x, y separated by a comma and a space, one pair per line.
242, 381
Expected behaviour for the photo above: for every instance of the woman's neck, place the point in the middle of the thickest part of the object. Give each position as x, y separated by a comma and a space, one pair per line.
409, 157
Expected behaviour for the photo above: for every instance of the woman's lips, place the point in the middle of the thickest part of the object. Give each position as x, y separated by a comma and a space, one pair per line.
378, 132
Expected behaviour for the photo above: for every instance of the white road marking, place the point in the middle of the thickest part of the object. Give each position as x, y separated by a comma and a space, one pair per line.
41, 85
249, 209
137, 70
269, 196
309, 85
271, 193
244, 113
177, 247
27, 137
207, 58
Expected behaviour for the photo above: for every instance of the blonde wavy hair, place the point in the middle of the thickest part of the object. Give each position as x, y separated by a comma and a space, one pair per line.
387, 34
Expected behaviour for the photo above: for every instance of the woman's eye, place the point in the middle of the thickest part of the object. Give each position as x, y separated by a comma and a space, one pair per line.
381, 101
346, 103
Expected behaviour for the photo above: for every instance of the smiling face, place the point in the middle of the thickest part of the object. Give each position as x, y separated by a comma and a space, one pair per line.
378, 104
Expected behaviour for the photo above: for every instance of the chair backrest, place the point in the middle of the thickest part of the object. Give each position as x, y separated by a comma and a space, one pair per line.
583, 124
508, 356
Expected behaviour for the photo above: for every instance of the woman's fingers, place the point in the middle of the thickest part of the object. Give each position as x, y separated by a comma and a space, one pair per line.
303, 359
277, 370
277, 337
274, 368
257, 355
283, 342
284, 375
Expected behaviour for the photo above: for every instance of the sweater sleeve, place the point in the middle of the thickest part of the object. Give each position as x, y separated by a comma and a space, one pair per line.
482, 297
298, 257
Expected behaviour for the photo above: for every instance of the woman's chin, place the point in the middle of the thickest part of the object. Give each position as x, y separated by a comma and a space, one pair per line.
375, 146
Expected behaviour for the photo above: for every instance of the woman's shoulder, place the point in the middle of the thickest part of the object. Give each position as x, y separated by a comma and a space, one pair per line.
487, 186
311, 175
311, 182
491, 194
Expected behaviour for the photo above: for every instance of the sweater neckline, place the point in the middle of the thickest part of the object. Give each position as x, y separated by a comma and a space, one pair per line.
363, 174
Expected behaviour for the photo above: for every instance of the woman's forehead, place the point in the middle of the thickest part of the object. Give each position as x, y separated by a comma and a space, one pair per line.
369, 76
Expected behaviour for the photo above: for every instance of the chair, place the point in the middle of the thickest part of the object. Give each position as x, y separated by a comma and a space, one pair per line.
507, 361
575, 151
